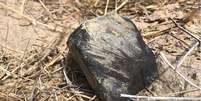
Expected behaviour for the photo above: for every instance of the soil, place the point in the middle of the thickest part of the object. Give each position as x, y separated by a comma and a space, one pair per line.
31, 54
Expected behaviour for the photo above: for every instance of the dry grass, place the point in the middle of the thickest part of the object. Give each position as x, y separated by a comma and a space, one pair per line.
33, 36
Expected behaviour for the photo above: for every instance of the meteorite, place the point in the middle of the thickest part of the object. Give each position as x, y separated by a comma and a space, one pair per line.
113, 56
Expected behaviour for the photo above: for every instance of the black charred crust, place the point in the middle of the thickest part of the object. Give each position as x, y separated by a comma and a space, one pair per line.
118, 60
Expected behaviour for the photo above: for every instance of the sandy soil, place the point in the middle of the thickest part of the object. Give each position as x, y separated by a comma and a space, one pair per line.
31, 51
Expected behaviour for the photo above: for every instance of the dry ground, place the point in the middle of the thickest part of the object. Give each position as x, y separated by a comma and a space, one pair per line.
33, 36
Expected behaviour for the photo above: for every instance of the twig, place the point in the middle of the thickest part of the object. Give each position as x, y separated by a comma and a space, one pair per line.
160, 97
40, 83
151, 92
174, 68
43, 5
56, 97
191, 49
106, 7
96, 3
94, 97
156, 33
185, 56
116, 4
186, 31
66, 77
120, 6
22, 6
57, 70
82, 95
69, 98
57, 58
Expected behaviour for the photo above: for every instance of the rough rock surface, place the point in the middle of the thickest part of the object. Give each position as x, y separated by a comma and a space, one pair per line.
113, 56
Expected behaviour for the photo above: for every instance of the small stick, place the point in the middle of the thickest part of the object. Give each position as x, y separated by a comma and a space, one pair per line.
57, 70
22, 6
94, 97
66, 78
56, 97
69, 98
82, 95
156, 33
40, 82
106, 7
120, 6
56, 58
43, 5
191, 49
160, 97
96, 3
174, 68
116, 4
186, 31
185, 56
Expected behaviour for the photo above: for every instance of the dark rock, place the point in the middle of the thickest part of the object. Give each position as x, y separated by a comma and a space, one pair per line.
113, 56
